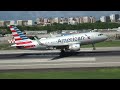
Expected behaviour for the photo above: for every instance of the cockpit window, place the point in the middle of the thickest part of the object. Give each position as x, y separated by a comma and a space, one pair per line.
33, 37
100, 34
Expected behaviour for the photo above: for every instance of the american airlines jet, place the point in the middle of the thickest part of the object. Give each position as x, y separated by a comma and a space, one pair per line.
70, 42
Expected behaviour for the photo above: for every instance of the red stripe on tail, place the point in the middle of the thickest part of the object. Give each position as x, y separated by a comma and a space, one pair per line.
18, 39
23, 42
11, 26
15, 35
13, 30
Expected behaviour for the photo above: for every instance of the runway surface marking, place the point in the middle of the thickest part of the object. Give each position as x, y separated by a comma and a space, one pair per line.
46, 60
65, 65
48, 51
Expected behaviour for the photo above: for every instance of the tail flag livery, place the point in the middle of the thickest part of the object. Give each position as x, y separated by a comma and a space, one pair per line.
17, 34
21, 39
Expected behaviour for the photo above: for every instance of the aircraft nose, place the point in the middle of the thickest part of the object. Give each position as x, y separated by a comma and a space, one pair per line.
105, 37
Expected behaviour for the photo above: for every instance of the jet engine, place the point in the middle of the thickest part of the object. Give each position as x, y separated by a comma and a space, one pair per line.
74, 47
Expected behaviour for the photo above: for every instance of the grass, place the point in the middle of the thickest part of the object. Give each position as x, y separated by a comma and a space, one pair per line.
101, 44
6, 47
104, 44
108, 73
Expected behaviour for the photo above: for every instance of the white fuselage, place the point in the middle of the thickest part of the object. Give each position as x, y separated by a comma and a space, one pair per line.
82, 39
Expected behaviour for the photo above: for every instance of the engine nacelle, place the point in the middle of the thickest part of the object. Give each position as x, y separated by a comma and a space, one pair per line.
74, 47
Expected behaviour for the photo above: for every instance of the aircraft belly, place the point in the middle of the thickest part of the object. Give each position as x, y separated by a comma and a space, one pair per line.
63, 44
86, 42
41, 46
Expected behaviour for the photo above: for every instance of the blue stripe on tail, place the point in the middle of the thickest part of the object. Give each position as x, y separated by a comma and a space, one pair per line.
20, 33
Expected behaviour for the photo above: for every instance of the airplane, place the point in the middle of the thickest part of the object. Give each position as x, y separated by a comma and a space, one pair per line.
70, 43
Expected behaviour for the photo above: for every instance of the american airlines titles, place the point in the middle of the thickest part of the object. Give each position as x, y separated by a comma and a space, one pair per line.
71, 39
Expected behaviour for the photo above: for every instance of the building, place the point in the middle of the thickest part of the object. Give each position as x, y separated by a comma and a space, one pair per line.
40, 21
56, 20
92, 19
29, 23
114, 17
6, 23
72, 21
86, 19
80, 19
9, 22
108, 19
1, 23
24, 23
19, 22
45, 20
50, 20
77, 19
36, 32
63, 20
69, 31
105, 19
12, 22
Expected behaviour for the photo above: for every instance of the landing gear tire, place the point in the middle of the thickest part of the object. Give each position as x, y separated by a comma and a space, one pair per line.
62, 51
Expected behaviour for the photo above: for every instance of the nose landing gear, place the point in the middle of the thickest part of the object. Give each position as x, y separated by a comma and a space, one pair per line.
94, 48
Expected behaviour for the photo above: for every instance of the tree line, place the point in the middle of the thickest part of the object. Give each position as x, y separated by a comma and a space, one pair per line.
56, 26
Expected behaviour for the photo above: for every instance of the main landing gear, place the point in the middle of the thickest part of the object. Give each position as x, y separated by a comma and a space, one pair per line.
62, 51
93, 46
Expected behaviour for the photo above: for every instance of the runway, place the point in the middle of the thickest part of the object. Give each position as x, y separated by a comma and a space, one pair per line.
101, 57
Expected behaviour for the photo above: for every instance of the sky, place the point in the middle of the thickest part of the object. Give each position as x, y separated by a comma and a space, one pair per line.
32, 15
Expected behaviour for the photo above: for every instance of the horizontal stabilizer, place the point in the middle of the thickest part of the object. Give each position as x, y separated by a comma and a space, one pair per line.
14, 45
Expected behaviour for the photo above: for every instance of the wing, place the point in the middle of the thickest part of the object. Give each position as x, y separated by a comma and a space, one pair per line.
65, 45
